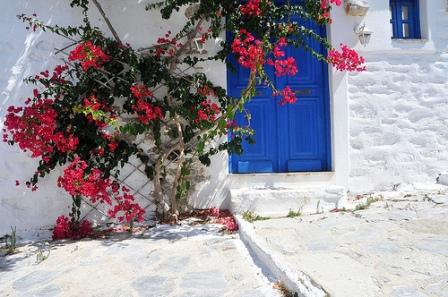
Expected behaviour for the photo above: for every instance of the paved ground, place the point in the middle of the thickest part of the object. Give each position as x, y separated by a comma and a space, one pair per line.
165, 262
397, 247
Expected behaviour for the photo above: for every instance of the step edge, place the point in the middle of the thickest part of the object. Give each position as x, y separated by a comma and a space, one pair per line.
298, 281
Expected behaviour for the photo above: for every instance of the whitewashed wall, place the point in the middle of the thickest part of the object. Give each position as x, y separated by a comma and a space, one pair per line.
388, 124
23, 53
399, 107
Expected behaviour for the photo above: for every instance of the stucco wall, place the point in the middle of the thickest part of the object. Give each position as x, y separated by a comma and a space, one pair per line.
398, 121
399, 107
24, 53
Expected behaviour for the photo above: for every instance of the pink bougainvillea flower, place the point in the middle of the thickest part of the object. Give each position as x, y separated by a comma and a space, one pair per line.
249, 50
146, 111
346, 60
251, 8
126, 209
207, 111
79, 180
288, 96
223, 217
89, 55
32, 127
64, 229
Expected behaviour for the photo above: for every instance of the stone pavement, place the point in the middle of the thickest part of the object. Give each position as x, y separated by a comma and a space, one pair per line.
164, 262
397, 247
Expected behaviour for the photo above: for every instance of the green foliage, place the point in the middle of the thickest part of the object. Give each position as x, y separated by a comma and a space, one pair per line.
10, 242
42, 255
252, 217
84, 4
369, 202
294, 214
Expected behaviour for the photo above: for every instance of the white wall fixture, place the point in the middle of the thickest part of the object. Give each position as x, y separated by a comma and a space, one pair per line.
363, 34
356, 7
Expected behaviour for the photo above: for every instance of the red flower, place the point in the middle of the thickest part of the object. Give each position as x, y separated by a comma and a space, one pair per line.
324, 3
146, 112
251, 8
346, 60
64, 229
325, 7
223, 217
214, 212
79, 181
167, 45
64, 144
32, 127
207, 112
93, 103
288, 96
126, 209
112, 146
141, 92
57, 76
250, 50
89, 55
284, 67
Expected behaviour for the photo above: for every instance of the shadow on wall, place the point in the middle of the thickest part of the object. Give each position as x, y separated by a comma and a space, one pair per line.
215, 191
24, 53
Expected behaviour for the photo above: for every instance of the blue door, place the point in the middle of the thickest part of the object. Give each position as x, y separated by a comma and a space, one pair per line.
293, 137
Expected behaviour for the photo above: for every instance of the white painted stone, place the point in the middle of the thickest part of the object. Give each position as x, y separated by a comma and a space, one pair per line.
292, 277
396, 247
395, 117
277, 202
153, 264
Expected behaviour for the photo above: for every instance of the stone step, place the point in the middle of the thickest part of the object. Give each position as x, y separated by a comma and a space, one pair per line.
277, 202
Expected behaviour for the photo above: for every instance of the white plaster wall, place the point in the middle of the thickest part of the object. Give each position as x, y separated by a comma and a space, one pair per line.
24, 53
399, 107
398, 121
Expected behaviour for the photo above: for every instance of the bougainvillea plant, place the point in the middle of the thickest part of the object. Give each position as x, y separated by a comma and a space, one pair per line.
87, 113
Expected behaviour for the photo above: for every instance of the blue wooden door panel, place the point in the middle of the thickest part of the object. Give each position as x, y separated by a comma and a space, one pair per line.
304, 124
290, 138
260, 156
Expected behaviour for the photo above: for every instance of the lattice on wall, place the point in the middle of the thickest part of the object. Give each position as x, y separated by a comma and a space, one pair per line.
133, 176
